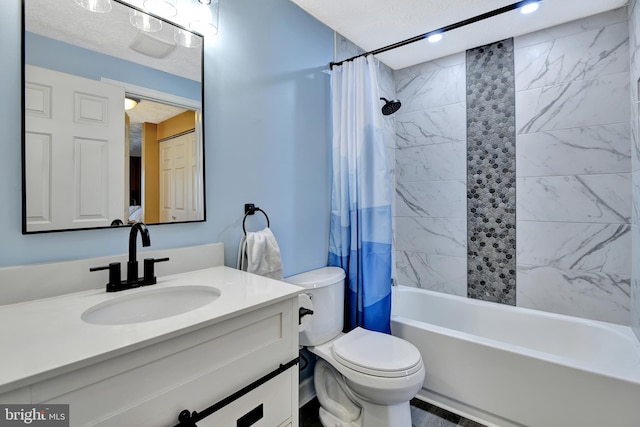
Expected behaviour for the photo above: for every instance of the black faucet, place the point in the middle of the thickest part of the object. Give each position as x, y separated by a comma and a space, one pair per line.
133, 281
132, 265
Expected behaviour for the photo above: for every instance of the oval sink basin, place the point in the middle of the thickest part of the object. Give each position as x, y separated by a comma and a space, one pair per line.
152, 304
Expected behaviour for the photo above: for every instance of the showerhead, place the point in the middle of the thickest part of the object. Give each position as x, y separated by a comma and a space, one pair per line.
390, 107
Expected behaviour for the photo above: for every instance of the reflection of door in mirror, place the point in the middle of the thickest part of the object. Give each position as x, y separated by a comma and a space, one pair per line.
165, 163
177, 169
85, 137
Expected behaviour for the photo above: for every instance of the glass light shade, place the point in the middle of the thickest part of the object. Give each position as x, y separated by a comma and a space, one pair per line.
186, 38
130, 103
163, 8
205, 19
144, 22
204, 28
99, 6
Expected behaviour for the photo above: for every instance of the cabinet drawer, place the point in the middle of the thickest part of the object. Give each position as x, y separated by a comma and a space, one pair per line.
266, 406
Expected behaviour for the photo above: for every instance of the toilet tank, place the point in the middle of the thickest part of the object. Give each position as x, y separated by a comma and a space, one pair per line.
325, 287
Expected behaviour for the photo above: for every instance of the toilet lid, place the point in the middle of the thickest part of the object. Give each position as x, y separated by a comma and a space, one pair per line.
378, 354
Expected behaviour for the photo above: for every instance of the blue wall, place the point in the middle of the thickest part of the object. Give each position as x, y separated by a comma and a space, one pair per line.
267, 139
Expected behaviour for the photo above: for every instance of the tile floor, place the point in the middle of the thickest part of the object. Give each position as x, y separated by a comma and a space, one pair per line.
422, 415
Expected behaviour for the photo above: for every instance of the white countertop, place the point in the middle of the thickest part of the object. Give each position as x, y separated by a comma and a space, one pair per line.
44, 338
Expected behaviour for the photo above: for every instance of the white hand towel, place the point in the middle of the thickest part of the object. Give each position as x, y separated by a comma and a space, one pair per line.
259, 253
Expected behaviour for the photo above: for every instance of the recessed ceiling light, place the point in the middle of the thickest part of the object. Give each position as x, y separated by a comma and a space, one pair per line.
433, 38
529, 7
205, 1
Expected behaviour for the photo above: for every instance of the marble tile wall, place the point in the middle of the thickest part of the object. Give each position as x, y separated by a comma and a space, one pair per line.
573, 169
431, 176
634, 44
573, 166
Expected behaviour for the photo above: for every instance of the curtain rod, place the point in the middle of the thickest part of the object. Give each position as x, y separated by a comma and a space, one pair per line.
475, 19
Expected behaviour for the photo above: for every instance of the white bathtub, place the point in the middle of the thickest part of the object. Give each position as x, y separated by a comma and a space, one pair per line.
506, 366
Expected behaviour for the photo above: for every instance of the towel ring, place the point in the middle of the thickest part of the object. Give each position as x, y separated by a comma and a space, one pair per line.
251, 212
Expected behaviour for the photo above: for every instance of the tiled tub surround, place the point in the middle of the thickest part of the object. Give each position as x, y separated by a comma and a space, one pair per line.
573, 171
491, 175
573, 164
431, 176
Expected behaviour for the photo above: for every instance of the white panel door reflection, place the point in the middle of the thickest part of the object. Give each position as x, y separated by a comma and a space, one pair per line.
74, 162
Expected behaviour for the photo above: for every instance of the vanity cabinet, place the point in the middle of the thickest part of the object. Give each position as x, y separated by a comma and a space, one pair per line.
150, 383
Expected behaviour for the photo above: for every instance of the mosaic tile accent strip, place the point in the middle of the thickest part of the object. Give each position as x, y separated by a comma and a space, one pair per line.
491, 173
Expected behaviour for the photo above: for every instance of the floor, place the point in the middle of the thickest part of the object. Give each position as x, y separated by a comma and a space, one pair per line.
422, 415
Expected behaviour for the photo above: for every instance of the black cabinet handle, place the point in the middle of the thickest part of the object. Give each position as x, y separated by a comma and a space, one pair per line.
189, 419
251, 417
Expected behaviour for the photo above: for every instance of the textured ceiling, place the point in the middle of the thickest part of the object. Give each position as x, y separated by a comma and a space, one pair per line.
108, 33
148, 111
372, 24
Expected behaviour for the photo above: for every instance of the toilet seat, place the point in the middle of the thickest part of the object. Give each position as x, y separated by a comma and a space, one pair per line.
377, 354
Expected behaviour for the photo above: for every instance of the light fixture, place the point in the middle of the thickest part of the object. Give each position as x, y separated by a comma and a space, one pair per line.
99, 6
529, 7
144, 22
434, 38
206, 21
204, 27
163, 8
186, 38
207, 2
130, 103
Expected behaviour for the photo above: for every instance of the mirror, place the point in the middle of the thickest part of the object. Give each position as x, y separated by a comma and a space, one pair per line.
87, 162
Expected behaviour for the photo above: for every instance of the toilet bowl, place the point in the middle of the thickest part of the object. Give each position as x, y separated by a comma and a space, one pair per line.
362, 378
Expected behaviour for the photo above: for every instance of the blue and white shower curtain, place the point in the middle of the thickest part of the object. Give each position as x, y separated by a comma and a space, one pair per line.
360, 232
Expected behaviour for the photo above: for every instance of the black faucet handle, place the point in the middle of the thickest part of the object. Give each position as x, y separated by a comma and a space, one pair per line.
115, 278
149, 270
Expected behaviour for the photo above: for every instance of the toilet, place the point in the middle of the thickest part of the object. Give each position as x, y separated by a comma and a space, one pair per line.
362, 378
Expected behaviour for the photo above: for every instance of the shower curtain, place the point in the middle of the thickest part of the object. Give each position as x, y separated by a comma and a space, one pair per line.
360, 230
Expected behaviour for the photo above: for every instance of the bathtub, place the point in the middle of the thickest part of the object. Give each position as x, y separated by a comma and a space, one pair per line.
506, 366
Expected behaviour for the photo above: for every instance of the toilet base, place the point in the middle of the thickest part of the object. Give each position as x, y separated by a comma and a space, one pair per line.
385, 416
380, 416
327, 419
341, 407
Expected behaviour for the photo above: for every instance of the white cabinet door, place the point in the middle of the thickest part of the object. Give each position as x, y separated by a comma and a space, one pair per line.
74, 151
